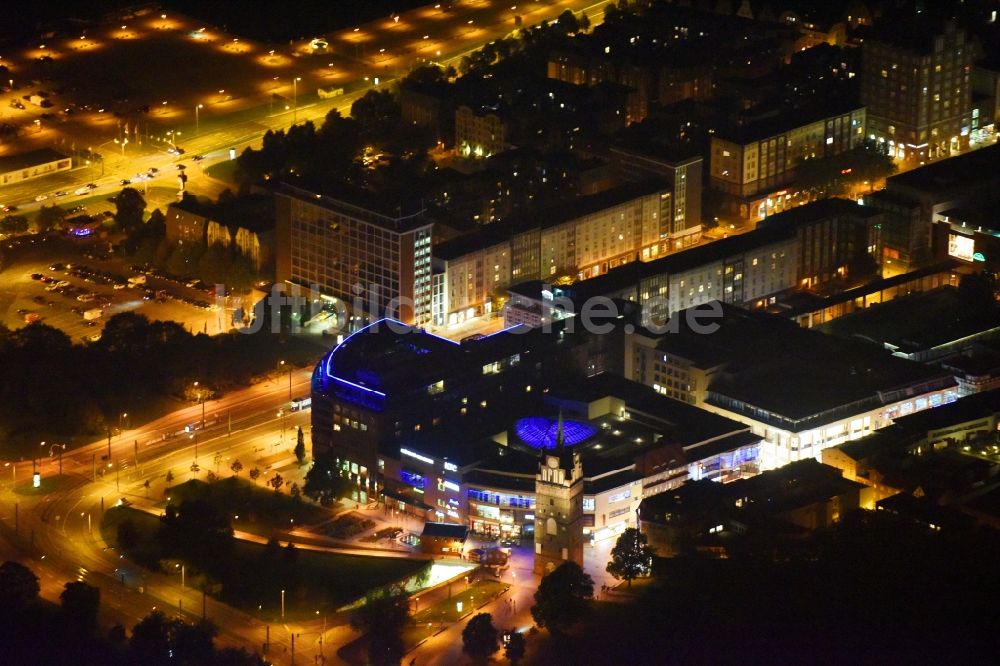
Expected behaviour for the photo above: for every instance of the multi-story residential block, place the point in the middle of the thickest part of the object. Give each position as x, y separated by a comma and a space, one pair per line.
582, 239
185, 226
918, 90
755, 164
359, 254
479, 133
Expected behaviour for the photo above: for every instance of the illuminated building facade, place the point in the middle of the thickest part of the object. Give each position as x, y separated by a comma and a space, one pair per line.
754, 164
801, 391
479, 134
918, 91
355, 253
579, 240
390, 383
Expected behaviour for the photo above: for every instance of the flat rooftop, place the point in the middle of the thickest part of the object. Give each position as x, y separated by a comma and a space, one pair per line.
29, 159
780, 372
915, 322
978, 166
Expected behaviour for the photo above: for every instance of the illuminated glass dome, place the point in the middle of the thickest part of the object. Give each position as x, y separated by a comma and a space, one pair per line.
543, 433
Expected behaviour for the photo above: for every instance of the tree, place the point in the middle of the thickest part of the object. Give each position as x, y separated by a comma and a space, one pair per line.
295, 491
14, 224
276, 482
382, 618
18, 584
631, 557
211, 477
479, 638
254, 475
48, 217
300, 446
323, 485
129, 207
169, 477
195, 468
79, 603
515, 647
145, 484
561, 598
237, 467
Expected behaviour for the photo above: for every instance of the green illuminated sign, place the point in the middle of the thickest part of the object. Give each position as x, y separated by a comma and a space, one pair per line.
978, 256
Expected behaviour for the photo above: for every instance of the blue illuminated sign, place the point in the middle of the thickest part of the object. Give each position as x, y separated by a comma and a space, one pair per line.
543, 433
412, 478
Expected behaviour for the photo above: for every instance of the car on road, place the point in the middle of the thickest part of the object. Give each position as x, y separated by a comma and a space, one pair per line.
181, 167
81, 190
198, 158
23, 312
125, 181
90, 324
37, 276
175, 150
41, 197
8, 209
58, 266
153, 170
60, 193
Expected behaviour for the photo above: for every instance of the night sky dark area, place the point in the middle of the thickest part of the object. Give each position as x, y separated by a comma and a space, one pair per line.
24, 20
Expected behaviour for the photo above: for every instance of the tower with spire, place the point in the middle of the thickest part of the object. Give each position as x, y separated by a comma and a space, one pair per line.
558, 507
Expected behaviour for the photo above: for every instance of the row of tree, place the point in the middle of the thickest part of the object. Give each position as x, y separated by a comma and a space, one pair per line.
55, 387
36, 632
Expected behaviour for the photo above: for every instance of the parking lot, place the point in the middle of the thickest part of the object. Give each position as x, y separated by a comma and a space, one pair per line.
79, 294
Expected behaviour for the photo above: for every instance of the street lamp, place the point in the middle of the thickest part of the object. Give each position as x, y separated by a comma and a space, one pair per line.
295, 98
123, 143
62, 447
197, 120
282, 604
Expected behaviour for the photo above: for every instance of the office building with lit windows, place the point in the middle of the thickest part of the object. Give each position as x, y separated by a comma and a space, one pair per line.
916, 83
362, 254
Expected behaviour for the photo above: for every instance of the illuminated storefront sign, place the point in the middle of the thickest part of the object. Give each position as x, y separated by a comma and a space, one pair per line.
414, 454
961, 247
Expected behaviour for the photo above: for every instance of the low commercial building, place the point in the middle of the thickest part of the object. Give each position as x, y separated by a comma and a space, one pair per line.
443, 539
32, 164
800, 390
